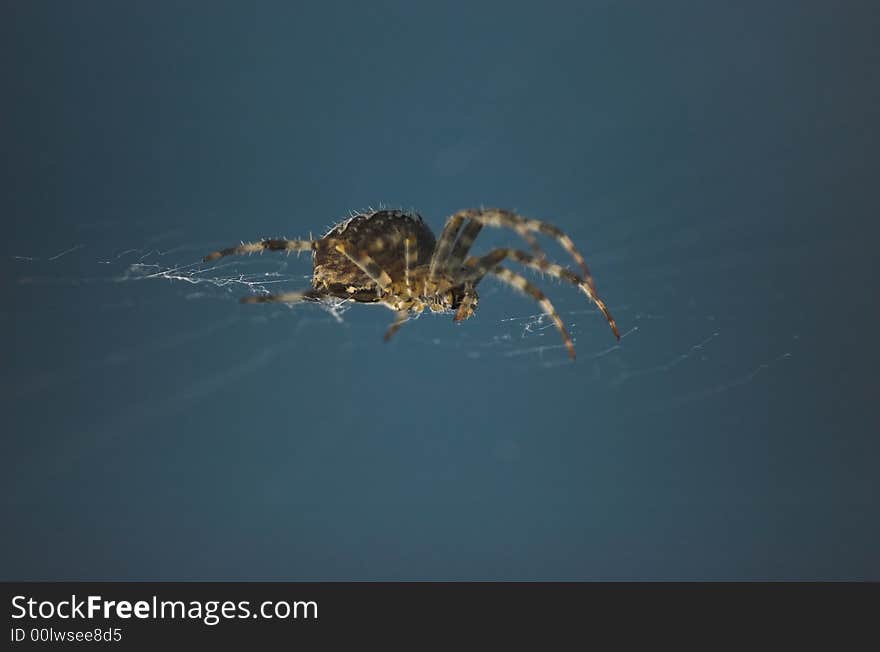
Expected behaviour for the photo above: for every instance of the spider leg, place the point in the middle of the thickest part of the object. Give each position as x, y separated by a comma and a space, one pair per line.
465, 310
366, 264
444, 245
466, 240
462, 246
270, 244
410, 257
479, 267
401, 317
284, 297
452, 247
524, 227
523, 285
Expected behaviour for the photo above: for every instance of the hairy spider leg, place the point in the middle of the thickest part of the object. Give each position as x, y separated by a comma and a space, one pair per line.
462, 246
444, 246
523, 285
467, 302
270, 244
481, 266
367, 265
500, 218
469, 234
411, 257
400, 318
452, 247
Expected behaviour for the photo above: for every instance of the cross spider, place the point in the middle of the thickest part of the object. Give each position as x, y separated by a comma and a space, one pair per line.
391, 257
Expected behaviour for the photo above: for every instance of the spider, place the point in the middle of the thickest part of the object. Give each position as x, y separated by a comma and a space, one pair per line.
391, 257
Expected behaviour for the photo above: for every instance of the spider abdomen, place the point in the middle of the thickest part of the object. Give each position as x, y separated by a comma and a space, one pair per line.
381, 235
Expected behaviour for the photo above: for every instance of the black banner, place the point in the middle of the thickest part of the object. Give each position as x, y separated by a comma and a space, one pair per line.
136, 614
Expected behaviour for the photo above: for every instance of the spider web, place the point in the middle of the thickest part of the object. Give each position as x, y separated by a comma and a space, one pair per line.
506, 328
160, 313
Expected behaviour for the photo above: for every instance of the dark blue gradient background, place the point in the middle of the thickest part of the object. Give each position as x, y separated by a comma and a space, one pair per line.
716, 161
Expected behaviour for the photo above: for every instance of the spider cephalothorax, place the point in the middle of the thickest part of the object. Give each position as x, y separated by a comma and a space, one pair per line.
391, 257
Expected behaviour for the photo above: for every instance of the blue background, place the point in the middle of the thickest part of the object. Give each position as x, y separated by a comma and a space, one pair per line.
717, 163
